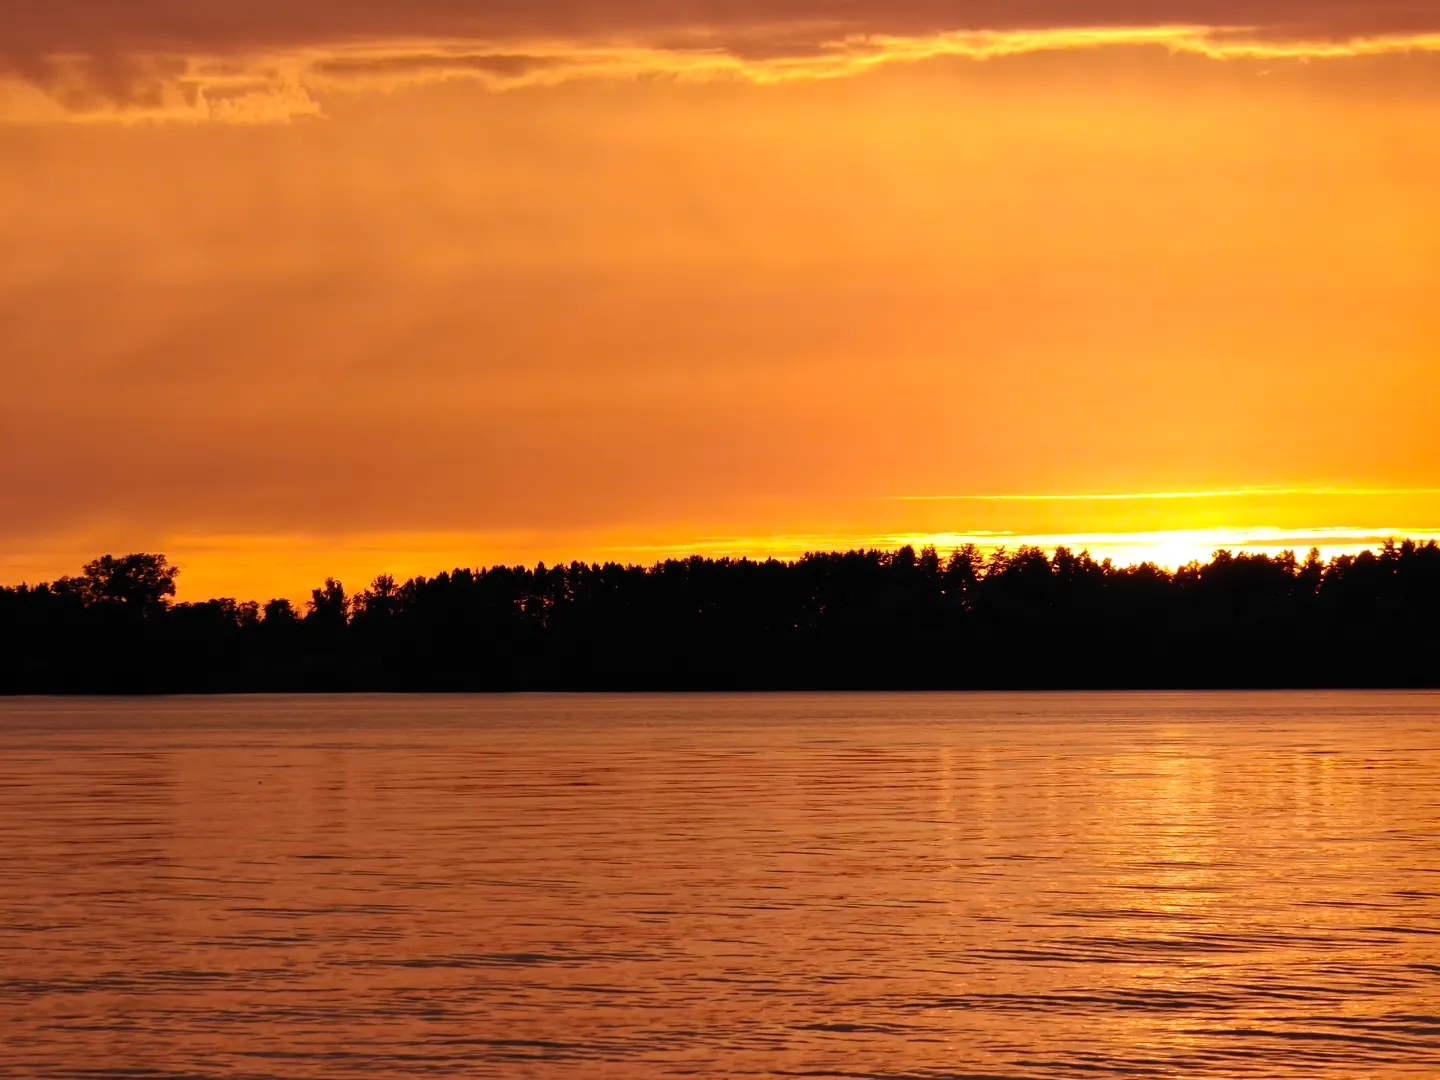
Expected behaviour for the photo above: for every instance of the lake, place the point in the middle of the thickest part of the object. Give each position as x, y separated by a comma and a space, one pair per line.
887, 886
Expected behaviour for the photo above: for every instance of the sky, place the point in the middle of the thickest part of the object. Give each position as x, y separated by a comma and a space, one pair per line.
359, 286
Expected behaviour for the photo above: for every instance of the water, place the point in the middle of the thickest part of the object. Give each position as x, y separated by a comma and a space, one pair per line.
1008, 886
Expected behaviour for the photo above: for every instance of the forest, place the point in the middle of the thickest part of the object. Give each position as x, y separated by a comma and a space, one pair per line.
906, 619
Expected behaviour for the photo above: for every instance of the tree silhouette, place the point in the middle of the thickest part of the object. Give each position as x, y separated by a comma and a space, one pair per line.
141, 584
328, 606
854, 619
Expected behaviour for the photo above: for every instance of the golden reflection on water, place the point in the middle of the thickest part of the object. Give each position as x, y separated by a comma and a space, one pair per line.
865, 885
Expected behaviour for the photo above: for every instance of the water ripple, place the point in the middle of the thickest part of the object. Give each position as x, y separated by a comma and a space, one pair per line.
910, 887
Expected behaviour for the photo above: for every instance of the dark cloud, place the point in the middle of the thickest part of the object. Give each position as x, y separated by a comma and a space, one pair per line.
38, 29
261, 59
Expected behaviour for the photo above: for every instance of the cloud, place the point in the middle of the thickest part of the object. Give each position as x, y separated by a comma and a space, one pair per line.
277, 59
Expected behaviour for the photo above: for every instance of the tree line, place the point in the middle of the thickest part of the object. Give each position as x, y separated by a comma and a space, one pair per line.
1021, 619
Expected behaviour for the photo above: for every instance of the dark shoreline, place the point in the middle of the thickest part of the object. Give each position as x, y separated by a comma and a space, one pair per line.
738, 693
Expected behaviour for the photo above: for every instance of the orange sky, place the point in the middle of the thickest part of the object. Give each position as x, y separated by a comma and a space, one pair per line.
395, 287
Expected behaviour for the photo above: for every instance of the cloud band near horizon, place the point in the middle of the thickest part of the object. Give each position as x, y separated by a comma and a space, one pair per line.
267, 61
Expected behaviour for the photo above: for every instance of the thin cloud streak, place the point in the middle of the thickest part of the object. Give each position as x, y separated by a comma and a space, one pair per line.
1157, 496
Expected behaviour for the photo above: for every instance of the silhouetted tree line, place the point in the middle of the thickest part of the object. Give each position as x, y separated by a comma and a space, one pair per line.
858, 619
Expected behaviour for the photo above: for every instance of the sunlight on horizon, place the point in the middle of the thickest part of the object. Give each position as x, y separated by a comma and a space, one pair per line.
260, 567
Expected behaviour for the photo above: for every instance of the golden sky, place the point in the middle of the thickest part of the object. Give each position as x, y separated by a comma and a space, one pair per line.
289, 289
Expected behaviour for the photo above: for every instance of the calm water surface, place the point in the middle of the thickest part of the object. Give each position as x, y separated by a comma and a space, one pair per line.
913, 887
